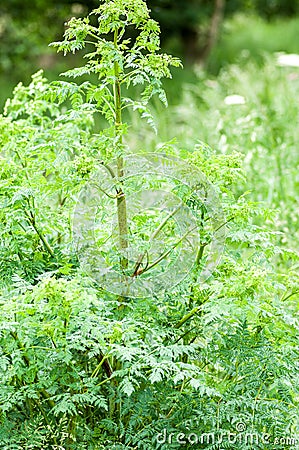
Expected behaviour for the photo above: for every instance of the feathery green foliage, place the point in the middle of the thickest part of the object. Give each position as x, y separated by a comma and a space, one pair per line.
82, 368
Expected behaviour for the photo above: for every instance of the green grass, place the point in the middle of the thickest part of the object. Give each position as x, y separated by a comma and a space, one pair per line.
247, 38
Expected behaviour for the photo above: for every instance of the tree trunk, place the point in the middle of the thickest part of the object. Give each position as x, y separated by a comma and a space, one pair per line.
213, 32
197, 47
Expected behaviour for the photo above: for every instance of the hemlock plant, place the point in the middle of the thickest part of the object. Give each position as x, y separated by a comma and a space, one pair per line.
82, 368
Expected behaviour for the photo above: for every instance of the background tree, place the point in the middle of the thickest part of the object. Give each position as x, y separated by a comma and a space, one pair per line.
194, 25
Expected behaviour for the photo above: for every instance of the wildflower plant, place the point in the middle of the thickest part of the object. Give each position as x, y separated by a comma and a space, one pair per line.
84, 220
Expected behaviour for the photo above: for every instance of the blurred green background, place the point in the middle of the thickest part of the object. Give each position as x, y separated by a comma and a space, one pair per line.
210, 33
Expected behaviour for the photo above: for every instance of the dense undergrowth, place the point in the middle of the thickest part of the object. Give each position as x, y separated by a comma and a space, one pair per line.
210, 364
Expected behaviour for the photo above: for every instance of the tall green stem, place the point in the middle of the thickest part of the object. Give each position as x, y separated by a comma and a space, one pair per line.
121, 199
